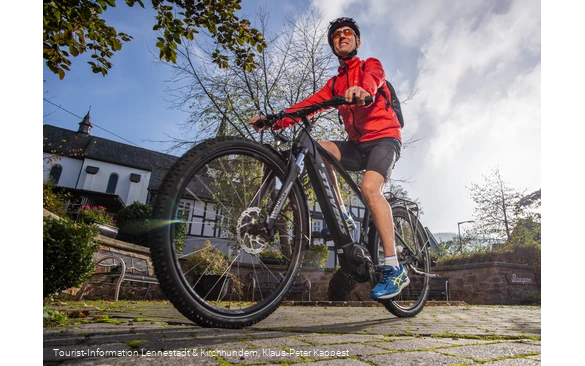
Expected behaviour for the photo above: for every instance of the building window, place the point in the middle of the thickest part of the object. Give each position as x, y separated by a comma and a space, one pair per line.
112, 183
134, 178
317, 207
55, 173
317, 225
91, 169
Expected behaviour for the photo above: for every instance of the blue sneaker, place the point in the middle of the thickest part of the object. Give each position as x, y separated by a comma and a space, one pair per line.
392, 282
326, 235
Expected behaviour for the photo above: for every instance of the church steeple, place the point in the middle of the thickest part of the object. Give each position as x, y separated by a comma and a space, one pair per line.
85, 125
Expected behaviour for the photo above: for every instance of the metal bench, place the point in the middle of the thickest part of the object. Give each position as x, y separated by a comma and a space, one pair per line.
301, 287
116, 268
439, 289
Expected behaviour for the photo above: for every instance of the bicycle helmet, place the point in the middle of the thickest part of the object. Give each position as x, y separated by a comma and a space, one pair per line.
342, 22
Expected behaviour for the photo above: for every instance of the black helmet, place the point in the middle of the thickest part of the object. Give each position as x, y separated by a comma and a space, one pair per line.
338, 23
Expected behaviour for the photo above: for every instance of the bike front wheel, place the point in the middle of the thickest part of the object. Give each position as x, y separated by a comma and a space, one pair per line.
210, 245
412, 250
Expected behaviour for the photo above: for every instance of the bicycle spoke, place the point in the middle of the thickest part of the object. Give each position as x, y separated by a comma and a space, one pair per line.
224, 198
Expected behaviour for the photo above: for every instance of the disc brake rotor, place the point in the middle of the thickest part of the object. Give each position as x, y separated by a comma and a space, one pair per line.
250, 242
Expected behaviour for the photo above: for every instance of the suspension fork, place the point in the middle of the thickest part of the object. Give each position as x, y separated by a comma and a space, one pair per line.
292, 175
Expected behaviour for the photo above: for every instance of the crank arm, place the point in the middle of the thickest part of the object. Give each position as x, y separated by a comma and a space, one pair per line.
415, 270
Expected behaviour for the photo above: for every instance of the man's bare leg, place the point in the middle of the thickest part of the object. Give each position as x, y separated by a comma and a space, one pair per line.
372, 186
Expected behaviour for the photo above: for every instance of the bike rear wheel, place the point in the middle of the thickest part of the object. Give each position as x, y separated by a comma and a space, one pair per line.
218, 194
412, 249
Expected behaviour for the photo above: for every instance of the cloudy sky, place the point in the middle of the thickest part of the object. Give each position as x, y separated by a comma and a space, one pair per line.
475, 66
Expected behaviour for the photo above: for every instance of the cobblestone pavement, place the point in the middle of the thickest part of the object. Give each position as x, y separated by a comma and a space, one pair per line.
138, 333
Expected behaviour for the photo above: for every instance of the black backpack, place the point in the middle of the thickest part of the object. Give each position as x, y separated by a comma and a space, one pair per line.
390, 102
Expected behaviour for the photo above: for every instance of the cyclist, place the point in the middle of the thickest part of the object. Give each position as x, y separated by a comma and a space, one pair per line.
374, 140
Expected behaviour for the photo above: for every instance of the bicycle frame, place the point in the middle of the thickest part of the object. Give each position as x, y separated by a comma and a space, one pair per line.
273, 182
306, 149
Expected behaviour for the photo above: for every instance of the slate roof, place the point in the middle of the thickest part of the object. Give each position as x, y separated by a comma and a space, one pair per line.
69, 143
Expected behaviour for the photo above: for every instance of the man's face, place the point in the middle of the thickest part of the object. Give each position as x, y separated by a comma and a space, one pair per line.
345, 41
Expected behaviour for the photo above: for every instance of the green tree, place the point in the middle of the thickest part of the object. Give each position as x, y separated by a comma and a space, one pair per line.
496, 210
220, 102
527, 231
53, 201
73, 27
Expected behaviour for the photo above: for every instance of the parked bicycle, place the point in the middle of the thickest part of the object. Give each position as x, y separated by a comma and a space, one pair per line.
256, 205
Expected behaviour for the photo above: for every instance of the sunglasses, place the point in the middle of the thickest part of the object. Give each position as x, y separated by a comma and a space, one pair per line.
346, 32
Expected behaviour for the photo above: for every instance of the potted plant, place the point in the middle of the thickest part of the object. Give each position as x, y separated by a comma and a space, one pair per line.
98, 216
207, 269
271, 256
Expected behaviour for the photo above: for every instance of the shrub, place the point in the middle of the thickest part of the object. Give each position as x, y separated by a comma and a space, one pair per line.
210, 261
271, 253
68, 250
528, 253
316, 255
54, 202
135, 222
97, 214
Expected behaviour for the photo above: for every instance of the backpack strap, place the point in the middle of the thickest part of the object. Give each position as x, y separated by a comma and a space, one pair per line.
391, 101
381, 89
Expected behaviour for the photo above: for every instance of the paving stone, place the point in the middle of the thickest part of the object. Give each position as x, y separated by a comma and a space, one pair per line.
351, 335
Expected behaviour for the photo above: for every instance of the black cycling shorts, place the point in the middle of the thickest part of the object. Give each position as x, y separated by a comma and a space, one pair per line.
377, 155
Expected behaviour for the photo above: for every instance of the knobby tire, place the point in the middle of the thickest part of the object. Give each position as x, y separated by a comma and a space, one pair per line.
412, 298
199, 170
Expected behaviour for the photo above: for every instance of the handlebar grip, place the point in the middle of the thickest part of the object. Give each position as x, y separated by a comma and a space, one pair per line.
268, 121
368, 100
263, 123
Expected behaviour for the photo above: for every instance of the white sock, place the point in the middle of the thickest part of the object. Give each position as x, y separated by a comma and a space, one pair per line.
343, 209
391, 261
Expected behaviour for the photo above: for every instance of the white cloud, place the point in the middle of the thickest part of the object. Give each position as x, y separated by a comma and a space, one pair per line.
475, 65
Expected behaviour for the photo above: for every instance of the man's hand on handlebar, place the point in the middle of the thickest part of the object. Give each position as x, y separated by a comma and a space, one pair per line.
258, 122
359, 94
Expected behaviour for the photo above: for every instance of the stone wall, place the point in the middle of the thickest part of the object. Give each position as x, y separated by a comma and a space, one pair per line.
477, 283
320, 278
128, 290
490, 283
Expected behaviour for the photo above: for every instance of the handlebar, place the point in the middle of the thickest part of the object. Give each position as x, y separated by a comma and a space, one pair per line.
336, 101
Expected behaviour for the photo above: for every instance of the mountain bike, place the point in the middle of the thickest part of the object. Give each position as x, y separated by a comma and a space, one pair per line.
255, 205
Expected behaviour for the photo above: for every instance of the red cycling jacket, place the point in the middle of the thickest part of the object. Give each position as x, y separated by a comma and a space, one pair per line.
361, 123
